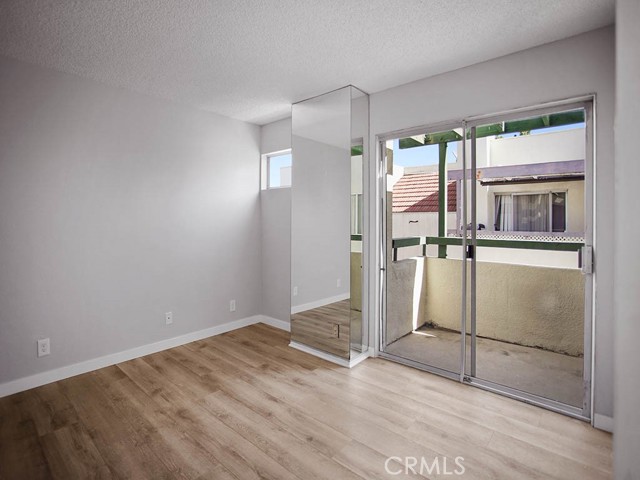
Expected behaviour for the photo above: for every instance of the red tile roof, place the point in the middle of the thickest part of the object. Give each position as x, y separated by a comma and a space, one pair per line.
418, 192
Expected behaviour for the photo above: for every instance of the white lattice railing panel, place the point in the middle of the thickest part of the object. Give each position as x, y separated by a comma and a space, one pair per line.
526, 236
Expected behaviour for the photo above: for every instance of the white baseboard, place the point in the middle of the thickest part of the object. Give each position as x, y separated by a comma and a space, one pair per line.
274, 322
319, 303
32, 381
343, 362
369, 352
603, 422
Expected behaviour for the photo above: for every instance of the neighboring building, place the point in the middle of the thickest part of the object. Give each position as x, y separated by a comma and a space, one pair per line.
528, 187
415, 208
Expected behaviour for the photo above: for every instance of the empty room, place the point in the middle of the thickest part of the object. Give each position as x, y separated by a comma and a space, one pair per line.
319, 239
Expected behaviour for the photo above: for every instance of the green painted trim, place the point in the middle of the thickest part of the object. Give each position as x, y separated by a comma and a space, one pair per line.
489, 243
356, 150
430, 139
356, 238
408, 242
515, 126
544, 121
410, 142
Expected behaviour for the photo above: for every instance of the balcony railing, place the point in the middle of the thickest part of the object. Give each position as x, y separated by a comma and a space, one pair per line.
558, 245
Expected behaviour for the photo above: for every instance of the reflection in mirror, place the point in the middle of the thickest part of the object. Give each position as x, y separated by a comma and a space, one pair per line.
320, 221
356, 248
359, 132
327, 223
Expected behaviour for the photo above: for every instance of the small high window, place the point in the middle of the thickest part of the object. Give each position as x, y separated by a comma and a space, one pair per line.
276, 169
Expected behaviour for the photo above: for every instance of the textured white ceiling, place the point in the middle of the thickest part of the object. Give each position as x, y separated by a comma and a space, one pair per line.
250, 59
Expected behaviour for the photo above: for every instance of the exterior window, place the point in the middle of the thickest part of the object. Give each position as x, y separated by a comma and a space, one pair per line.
276, 170
558, 212
538, 212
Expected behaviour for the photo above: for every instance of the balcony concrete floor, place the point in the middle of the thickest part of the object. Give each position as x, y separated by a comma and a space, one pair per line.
541, 372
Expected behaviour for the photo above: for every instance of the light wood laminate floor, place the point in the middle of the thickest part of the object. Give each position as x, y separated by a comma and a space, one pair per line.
314, 327
244, 405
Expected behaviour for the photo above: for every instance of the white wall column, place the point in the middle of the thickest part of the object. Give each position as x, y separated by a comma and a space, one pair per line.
627, 231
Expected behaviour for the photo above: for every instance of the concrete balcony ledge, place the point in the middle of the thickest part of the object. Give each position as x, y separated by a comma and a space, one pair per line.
532, 306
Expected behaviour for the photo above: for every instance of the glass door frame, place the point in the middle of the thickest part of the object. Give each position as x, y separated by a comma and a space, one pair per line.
382, 185
586, 103
468, 125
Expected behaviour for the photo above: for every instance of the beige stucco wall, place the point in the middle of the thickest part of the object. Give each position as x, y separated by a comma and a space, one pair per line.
405, 283
356, 281
406, 299
533, 306
559, 146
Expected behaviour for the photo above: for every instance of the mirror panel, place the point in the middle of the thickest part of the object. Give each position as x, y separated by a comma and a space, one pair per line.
321, 222
359, 150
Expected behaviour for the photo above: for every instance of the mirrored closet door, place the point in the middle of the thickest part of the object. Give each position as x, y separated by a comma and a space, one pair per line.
327, 217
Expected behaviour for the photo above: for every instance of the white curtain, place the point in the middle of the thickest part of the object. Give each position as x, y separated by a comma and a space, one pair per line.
504, 213
531, 213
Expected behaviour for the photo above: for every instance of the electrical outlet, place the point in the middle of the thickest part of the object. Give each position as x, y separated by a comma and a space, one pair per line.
338, 283
336, 330
232, 306
44, 347
168, 318
295, 291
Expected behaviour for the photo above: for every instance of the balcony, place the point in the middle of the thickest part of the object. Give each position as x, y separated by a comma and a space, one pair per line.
530, 318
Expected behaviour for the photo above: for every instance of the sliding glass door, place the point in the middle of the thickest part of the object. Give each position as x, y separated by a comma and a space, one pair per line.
423, 276
529, 223
488, 253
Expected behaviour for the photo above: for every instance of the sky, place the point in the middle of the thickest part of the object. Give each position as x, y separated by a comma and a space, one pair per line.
428, 155
275, 164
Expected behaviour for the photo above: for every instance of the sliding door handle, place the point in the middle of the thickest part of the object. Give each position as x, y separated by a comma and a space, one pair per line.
585, 259
471, 252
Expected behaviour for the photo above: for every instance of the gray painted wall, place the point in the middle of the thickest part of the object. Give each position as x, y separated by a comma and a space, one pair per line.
114, 209
627, 264
320, 199
576, 66
275, 136
275, 241
320, 205
276, 230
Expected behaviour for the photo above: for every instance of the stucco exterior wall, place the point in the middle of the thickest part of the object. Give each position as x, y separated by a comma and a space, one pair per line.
406, 299
355, 281
533, 306
537, 148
